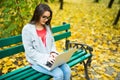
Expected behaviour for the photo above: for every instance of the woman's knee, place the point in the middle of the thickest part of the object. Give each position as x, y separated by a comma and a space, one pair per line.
66, 69
58, 75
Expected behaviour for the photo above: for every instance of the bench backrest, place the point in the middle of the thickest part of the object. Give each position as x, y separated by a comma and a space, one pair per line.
13, 45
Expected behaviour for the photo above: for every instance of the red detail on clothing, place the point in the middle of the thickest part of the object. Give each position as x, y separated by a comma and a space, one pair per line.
30, 64
42, 34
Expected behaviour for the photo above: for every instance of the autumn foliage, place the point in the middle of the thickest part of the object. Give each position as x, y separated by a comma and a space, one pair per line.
91, 23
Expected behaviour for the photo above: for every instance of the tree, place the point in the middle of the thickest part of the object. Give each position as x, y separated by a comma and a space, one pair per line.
117, 18
61, 4
46, 0
110, 3
96, 1
14, 15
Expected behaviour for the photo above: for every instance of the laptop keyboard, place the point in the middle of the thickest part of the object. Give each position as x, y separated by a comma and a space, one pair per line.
48, 64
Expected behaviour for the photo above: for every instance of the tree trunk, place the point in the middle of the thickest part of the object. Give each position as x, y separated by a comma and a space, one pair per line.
46, 1
110, 3
117, 18
119, 2
96, 1
61, 4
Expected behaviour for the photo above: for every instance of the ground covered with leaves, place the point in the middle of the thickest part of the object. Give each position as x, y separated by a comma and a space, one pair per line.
91, 23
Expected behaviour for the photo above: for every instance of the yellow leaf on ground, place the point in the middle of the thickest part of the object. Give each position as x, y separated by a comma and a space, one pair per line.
5, 70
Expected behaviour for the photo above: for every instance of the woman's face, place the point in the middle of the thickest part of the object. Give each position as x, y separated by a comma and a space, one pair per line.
45, 17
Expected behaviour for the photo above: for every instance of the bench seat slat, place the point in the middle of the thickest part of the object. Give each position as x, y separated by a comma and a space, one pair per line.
78, 51
27, 75
82, 58
20, 74
14, 72
35, 76
10, 40
46, 77
62, 36
11, 51
77, 55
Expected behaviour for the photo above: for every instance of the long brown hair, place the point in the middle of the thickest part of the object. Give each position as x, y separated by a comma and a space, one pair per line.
39, 10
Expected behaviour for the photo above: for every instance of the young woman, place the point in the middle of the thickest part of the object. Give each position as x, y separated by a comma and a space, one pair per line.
39, 43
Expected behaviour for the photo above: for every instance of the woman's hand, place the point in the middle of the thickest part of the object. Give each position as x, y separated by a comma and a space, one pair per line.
53, 54
52, 57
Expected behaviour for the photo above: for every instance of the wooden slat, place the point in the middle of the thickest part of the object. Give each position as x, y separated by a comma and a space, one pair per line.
82, 58
77, 55
4, 76
27, 75
61, 28
11, 51
62, 36
35, 76
78, 51
10, 40
46, 77
20, 74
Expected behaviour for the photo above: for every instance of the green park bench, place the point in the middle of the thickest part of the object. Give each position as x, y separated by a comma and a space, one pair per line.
82, 56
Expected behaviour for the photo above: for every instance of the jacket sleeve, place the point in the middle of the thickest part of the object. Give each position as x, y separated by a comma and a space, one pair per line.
30, 51
53, 45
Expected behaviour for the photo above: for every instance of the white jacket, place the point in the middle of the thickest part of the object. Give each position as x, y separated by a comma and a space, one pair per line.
35, 50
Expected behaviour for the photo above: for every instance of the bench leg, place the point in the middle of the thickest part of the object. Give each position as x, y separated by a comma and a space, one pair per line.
71, 77
86, 68
86, 71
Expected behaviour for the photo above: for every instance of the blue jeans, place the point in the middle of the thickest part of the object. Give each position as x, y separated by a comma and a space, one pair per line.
62, 72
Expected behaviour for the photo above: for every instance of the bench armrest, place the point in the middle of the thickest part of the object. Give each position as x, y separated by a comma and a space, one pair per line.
70, 44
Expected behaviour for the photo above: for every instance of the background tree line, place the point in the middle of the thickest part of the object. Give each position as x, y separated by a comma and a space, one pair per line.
15, 13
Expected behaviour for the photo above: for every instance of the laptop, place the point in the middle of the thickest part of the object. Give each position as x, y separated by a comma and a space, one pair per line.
60, 59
